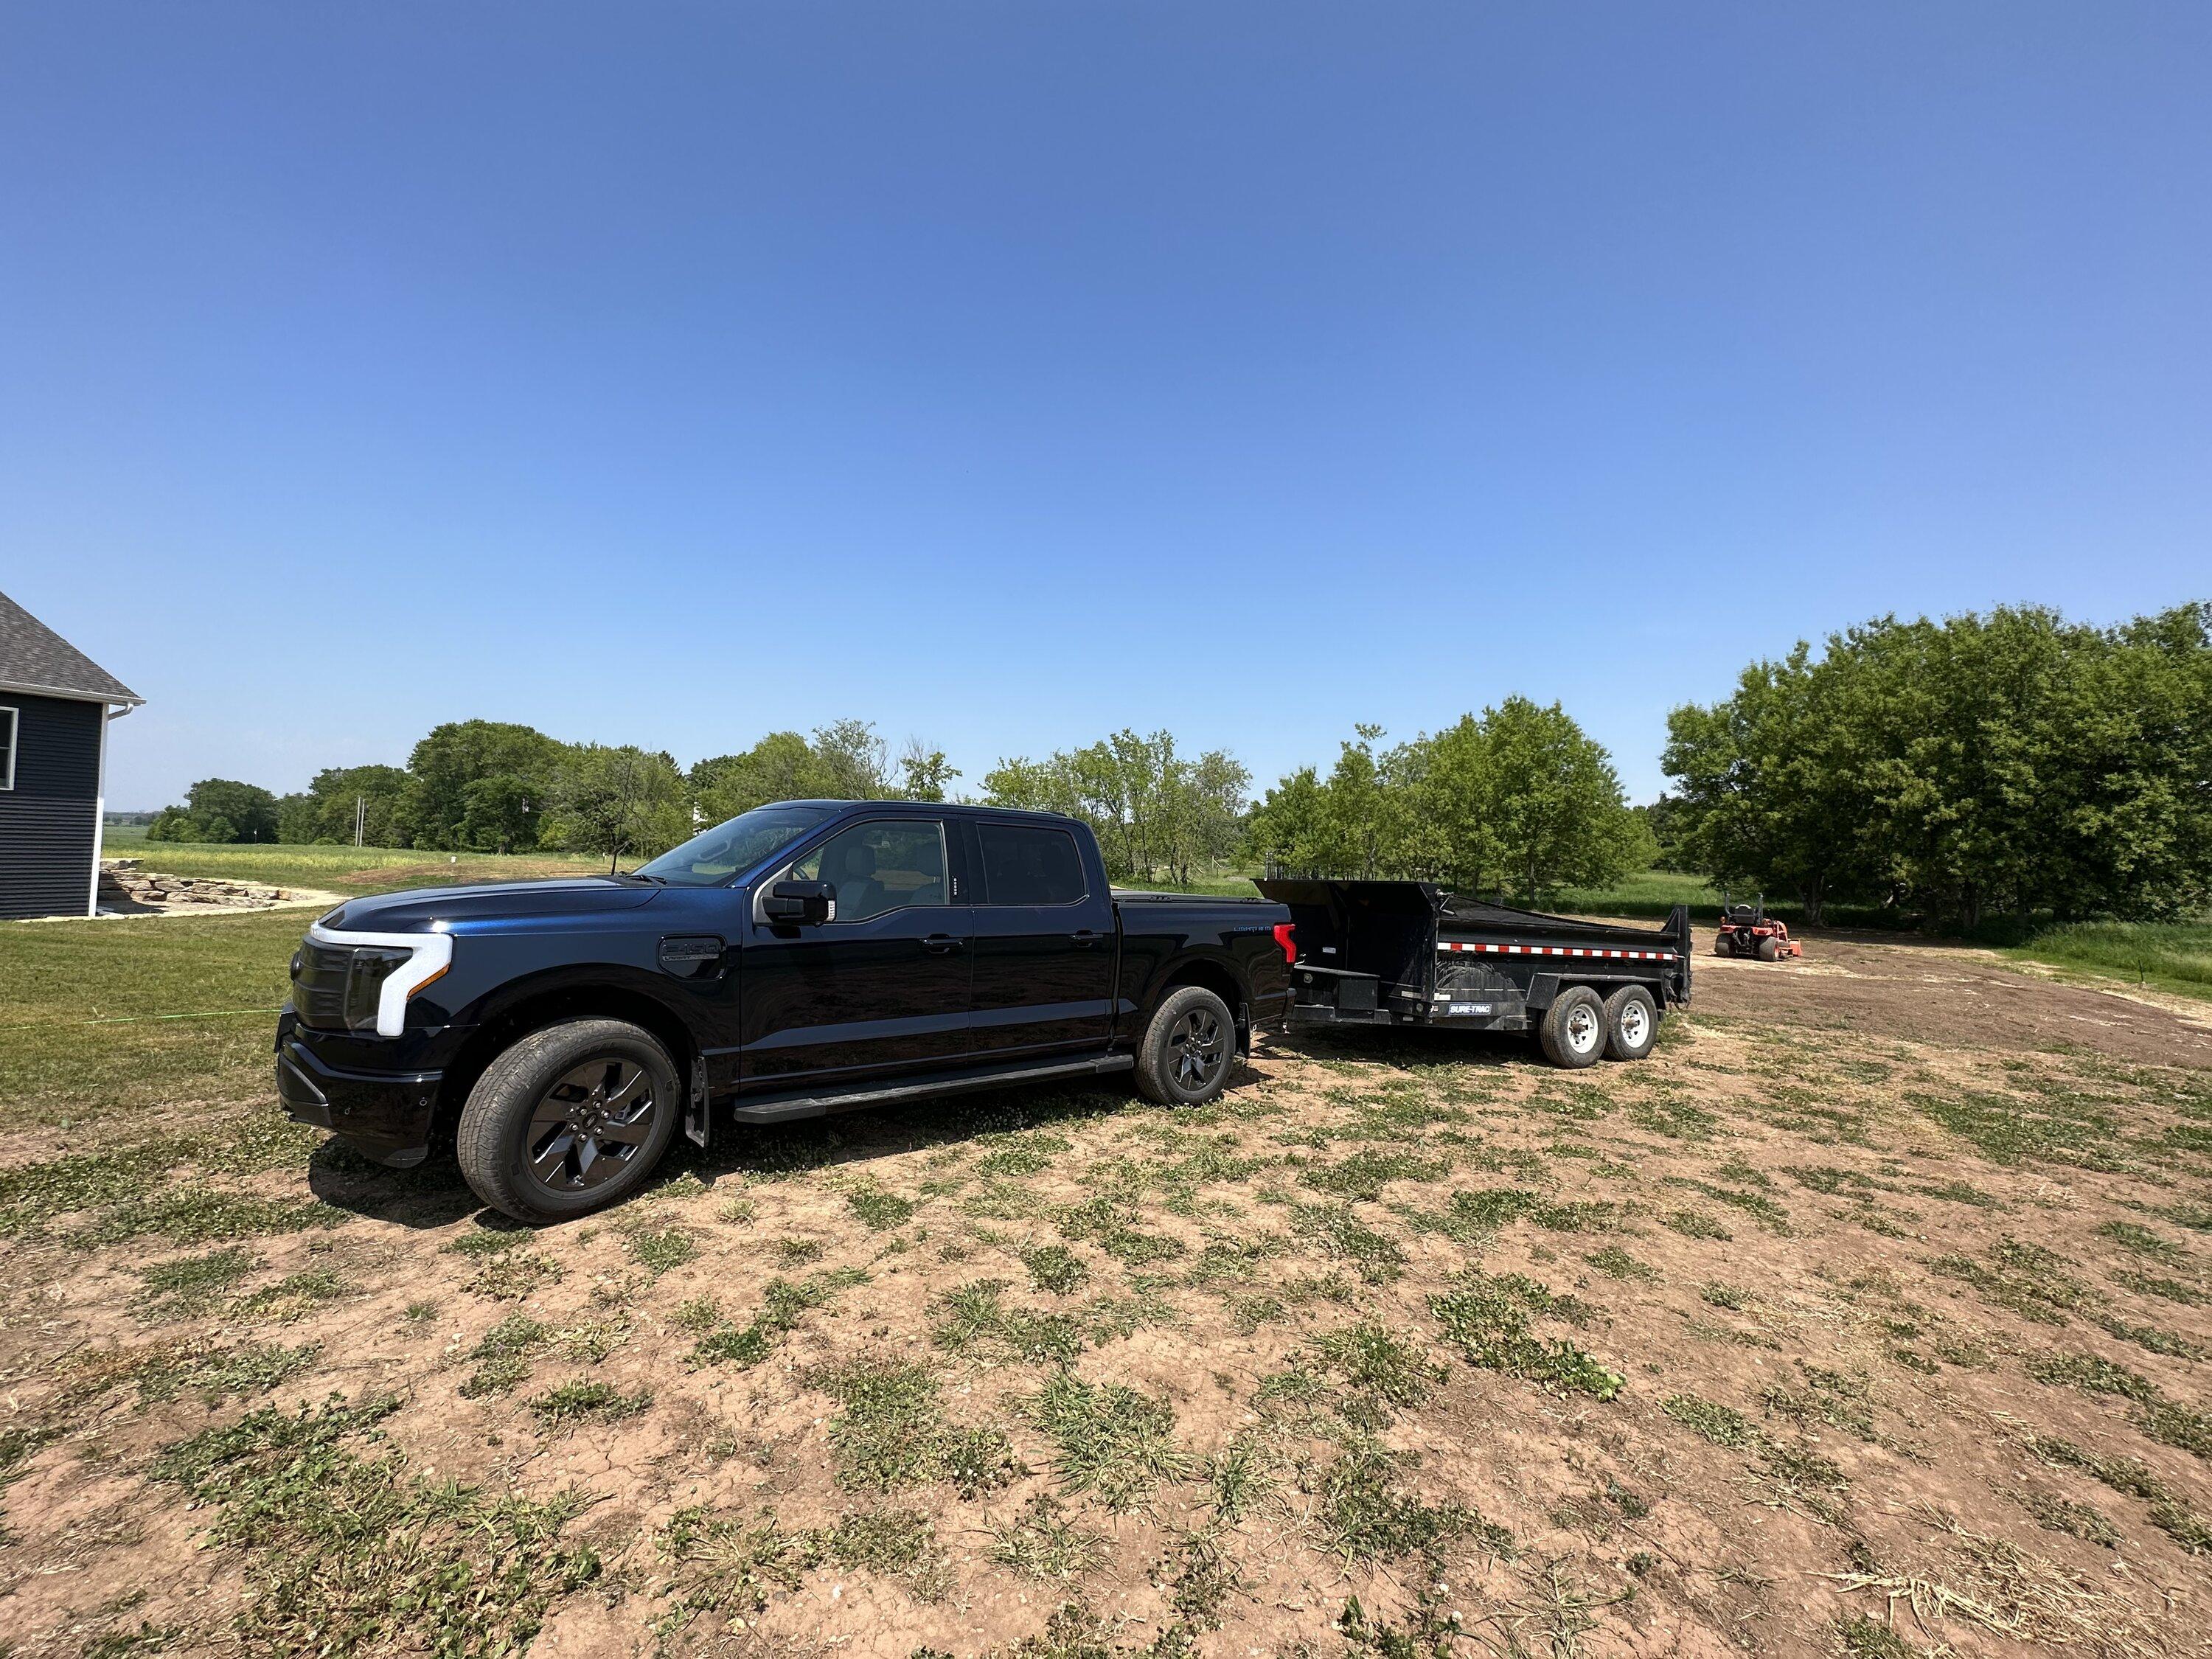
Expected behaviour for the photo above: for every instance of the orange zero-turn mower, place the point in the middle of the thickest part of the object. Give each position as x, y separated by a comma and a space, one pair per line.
1746, 930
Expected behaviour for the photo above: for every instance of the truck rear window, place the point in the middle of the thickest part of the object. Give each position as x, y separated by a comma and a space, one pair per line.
1026, 865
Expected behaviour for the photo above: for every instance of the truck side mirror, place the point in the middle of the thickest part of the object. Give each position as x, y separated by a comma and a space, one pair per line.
798, 904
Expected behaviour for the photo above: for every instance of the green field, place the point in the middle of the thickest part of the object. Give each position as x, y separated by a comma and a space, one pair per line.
338, 869
2167, 956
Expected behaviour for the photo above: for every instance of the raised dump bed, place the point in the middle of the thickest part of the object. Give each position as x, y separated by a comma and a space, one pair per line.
1414, 953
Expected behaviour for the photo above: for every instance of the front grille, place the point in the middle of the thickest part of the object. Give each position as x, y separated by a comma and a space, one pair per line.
319, 986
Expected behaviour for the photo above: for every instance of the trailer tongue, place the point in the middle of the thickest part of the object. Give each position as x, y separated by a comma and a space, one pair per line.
1412, 953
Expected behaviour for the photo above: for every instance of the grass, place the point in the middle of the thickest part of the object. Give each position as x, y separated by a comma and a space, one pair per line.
1043, 1542
890, 1431
348, 870
1311, 1262
348, 1552
2174, 956
1116, 1443
1487, 1320
1394, 1368
586, 1401
1721, 1424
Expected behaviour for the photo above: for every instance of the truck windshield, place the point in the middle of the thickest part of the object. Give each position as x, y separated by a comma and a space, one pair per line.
715, 856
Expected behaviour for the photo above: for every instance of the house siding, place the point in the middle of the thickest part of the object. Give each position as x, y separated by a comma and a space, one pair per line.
49, 820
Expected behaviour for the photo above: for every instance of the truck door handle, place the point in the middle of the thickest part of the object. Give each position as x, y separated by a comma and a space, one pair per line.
1084, 938
941, 945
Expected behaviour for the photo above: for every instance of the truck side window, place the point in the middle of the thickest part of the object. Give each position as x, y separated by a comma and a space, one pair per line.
1027, 866
878, 867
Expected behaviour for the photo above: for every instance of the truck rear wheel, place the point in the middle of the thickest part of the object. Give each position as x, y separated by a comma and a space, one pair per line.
1631, 1023
1573, 1032
1187, 1047
569, 1120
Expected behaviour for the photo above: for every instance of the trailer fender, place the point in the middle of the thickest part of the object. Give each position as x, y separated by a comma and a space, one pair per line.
1543, 991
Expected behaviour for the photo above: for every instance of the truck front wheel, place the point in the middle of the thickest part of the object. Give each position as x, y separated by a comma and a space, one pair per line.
1573, 1032
1188, 1046
569, 1120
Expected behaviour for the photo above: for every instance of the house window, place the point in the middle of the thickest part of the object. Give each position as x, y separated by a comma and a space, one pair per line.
8, 718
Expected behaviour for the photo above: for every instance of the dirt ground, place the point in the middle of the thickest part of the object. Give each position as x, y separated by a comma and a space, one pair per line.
1869, 1315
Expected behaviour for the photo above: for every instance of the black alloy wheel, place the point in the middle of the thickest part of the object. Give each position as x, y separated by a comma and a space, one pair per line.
1199, 1046
590, 1124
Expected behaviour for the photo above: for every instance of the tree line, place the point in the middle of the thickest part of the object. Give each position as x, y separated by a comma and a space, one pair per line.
2009, 765
495, 786
2001, 765
1518, 800
1153, 809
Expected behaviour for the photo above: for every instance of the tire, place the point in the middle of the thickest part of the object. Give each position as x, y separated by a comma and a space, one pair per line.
1178, 1063
550, 1081
1721, 947
1632, 1023
1573, 1032
1769, 950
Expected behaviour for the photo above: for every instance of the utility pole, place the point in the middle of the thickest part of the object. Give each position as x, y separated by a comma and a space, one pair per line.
360, 817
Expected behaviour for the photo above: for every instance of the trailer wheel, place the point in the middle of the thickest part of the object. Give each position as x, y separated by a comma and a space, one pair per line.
1188, 1046
1769, 950
1573, 1032
1632, 1023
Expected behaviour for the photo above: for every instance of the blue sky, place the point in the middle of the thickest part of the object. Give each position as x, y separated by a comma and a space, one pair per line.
1007, 373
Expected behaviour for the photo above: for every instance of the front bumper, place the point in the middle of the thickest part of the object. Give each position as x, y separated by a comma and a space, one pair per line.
384, 1110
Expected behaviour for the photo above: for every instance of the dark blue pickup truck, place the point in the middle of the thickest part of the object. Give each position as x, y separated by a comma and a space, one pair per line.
807, 958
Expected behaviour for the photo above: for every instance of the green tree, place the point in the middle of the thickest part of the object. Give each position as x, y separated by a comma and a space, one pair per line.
618, 800
382, 793
1555, 805
219, 809
501, 813
1150, 808
456, 755
1289, 826
924, 773
295, 818
1519, 801
2000, 765
845, 760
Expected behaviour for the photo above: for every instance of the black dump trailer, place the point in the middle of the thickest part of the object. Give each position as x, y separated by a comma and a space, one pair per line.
1414, 953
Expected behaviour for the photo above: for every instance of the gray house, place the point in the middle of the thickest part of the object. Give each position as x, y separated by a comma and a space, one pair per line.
55, 705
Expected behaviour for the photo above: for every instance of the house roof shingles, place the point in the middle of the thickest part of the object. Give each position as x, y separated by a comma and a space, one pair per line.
33, 658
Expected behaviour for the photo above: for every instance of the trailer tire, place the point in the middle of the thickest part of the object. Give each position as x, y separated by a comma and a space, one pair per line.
1573, 1032
1769, 950
1632, 1023
573, 1065
1188, 1048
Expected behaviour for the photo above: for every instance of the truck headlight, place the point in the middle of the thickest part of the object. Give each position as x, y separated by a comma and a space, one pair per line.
367, 976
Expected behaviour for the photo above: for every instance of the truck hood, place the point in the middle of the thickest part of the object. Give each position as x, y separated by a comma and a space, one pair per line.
418, 910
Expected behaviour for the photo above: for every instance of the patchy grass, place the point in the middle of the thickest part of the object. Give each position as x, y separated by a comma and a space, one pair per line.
587, 1400
1044, 1541
1487, 1320
891, 1432
1721, 1424
1101, 1380
1114, 1444
345, 1550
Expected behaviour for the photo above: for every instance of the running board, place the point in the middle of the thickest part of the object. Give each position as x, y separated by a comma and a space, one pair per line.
785, 1111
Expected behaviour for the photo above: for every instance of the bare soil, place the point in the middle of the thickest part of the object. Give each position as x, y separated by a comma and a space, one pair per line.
1869, 1315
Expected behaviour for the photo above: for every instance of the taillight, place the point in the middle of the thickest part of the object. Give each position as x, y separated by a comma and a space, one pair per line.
1286, 938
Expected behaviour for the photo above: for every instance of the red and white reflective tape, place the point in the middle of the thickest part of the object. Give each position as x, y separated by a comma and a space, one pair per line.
1557, 951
